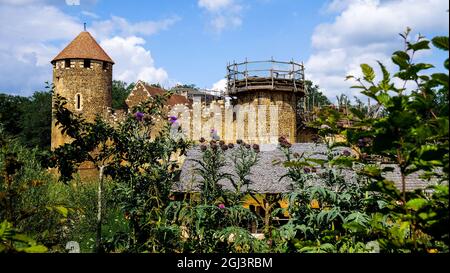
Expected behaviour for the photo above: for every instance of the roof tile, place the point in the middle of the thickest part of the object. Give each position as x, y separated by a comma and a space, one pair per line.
83, 46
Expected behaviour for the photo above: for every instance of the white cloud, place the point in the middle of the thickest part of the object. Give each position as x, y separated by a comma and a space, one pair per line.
120, 26
337, 6
73, 2
90, 14
29, 43
133, 61
220, 85
364, 31
19, 2
34, 31
214, 5
222, 13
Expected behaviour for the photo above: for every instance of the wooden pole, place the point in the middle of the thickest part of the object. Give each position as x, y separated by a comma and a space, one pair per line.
246, 73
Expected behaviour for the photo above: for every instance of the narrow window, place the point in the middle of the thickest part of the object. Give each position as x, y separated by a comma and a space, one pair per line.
105, 66
78, 102
66, 63
87, 63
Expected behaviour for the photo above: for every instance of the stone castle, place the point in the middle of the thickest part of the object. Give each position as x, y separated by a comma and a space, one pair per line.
261, 105
82, 73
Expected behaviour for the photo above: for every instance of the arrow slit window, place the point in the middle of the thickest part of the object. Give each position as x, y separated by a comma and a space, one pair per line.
78, 102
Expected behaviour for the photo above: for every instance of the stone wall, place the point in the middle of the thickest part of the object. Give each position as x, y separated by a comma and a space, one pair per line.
251, 118
285, 103
93, 85
137, 96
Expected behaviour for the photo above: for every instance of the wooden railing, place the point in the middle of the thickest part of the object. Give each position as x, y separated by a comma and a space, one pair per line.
251, 75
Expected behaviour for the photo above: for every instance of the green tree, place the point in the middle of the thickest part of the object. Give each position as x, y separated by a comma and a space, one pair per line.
314, 97
142, 166
412, 133
120, 92
36, 120
11, 111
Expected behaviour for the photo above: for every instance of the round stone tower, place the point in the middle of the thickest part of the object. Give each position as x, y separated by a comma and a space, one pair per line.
268, 91
82, 73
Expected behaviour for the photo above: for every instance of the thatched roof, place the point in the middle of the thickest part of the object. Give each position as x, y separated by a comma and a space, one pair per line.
265, 175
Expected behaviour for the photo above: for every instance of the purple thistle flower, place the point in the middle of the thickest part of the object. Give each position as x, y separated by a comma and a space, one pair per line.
221, 206
139, 116
173, 119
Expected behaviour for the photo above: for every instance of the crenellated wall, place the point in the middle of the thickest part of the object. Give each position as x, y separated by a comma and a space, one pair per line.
256, 117
93, 85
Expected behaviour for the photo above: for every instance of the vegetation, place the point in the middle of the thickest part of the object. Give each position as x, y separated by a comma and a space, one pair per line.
315, 97
130, 206
120, 92
27, 118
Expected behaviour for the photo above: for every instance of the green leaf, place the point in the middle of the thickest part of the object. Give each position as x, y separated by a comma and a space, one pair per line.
400, 61
369, 73
441, 78
416, 204
440, 42
357, 87
35, 249
386, 75
342, 161
356, 222
384, 99
23, 238
293, 164
425, 44
402, 55
422, 66
321, 162
62, 210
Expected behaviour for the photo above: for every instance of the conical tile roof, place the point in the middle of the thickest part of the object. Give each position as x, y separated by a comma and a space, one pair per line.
83, 46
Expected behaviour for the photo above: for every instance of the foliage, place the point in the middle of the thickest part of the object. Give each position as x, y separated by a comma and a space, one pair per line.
25, 206
36, 121
11, 110
341, 200
217, 222
315, 98
142, 165
12, 241
27, 118
120, 92
407, 128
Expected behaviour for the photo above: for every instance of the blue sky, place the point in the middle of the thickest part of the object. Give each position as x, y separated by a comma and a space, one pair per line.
191, 41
